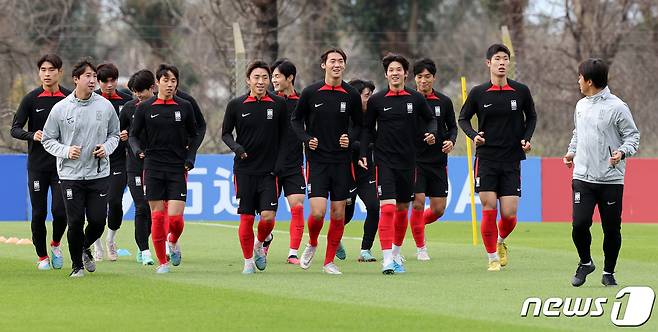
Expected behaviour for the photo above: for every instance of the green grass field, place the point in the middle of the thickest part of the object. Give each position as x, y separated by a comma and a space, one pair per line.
207, 292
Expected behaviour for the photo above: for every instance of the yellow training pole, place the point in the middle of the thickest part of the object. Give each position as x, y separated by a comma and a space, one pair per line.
469, 162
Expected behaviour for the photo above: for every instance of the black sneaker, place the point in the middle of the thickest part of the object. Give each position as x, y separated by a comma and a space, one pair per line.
581, 274
608, 280
77, 273
88, 260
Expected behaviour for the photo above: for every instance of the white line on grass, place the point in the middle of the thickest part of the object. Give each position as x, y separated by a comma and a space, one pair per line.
274, 231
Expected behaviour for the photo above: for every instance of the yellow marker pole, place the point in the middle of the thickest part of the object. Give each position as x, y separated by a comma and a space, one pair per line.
507, 41
469, 161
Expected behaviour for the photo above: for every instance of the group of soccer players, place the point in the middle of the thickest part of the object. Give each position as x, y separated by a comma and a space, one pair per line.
388, 147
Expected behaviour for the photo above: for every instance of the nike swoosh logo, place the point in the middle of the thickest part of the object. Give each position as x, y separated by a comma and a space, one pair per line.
243, 115
611, 203
154, 115
518, 189
318, 105
103, 195
487, 105
40, 109
371, 182
183, 195
273, 204
116, 173
352, 190
302, 188
387, 108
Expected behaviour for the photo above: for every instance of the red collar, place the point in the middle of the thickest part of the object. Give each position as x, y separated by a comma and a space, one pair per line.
113, 96
45, 93
159, 101
392, 93
506, 87
432, 96
327, 87
293, 96
251, 99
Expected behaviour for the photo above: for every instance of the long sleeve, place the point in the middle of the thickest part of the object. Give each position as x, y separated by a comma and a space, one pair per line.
227, 131
298, 118
368, 129
573, 144
283, 127
135, 131
20, 119
468, 110
193, 134
200, 127
112, 140
51, 136
428, 116
530, 118
628, 132
451, 124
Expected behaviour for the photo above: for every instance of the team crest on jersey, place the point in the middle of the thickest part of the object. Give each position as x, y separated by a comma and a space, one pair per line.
343, 106
69, 193
99, 115
437, 110
270, 113
513, 104
36, 186
410, 108
138, 181
177, 116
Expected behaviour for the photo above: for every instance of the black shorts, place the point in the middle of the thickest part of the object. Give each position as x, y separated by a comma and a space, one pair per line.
397, 184
432, 180
292, 183
165, 186
256, 193
325, 178
504, 178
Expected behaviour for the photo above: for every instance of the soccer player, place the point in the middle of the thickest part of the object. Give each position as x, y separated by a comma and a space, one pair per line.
506, 121
604, 136
291, 175
169, 126
321, 121
108, 75
395, 116
141, 84
365, 186
82, 130
260, 121
431, 160
41, 171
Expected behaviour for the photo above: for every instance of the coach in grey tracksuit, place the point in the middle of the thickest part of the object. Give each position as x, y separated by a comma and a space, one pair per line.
604, 136
82, 130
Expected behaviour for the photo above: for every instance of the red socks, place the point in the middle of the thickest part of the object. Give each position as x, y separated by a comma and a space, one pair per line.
296, 226
246, 235
386, 231
314, 228
429, 216
489, 230
158, 235
401, 223
54, 244
265, 227
418, 226
506, 226
176, 225
336, 227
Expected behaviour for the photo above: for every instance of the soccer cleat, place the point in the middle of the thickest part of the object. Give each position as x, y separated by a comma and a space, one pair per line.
111, 251
138, 256
366, 256
292, 259
340, 252
44, 264
98, 251
494, 266
501, 249
146, 258
307, 257
174, 250
266, 244
77, 273
162, 269
249, 268
260, 258
398, 267
331, 268
581, 274
422, 255
58, 259
389, 269
608, 280
88, 260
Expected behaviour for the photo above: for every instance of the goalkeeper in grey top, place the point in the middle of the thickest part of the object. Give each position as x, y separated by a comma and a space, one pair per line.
604, 136
82, 130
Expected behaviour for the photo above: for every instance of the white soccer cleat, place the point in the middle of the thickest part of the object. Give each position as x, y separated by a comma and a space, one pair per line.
421, 254
98, 251
331, 268
111, 251
307, 257
43, 265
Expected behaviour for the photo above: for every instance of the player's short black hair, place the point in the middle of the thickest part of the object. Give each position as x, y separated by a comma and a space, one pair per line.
258, 64
495, 48
107, 71
162, 70
54, 60
80, 67
360, 85
326, 53
425, 63
594, 69
141, 80
286, 67
392, 57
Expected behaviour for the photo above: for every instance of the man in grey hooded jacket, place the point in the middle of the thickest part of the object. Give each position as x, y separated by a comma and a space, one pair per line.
82, 130
604, 136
